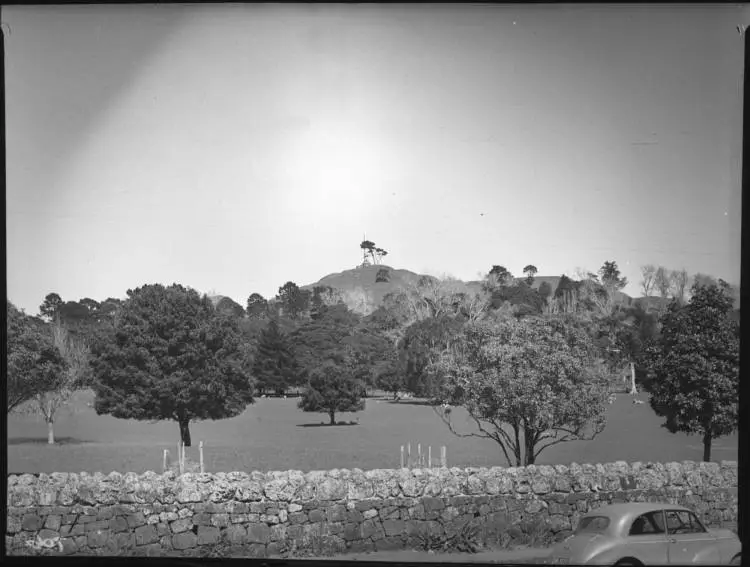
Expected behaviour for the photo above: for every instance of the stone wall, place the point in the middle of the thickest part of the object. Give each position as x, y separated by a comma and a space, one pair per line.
291, 514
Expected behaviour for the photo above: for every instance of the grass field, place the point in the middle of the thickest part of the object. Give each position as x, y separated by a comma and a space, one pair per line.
274, 435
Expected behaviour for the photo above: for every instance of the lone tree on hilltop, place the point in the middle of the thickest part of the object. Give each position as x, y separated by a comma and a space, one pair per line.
610, 277
332, 390
501, 275
274, 367
171, 356
527, 385
695, 366
34, 363
369, 249
530, 272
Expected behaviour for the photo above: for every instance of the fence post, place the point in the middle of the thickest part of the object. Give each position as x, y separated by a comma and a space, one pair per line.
429, 457
419, 455
408, 455
165, 461
402, 456
200, 448
443, 457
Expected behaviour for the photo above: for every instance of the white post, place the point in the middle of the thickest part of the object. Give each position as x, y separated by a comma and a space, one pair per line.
633, 389
200, 448
402, 456
164, 464
429, 457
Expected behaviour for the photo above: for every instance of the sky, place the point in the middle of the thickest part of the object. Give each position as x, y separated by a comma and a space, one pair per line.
233, 148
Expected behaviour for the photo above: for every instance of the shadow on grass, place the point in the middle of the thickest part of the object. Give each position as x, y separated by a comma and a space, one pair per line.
337, 424
411, 402
43, 441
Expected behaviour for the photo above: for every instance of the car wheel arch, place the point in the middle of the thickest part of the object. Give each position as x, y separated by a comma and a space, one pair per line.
736, 560
628, 562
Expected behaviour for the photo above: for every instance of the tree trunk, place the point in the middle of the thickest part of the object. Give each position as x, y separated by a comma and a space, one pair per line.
332, 415
185, 431
633, 389
707, 447
50, 432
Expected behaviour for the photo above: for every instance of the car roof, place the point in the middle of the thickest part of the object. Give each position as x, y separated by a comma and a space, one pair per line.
632, 509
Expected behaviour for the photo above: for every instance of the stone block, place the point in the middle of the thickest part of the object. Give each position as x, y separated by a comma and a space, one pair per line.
258, 533
394, 527
136, 520
389, 543
235, 534
53, 523
184, 540
180, 526
32, 523
97, 538
145, 535
208, 535
118, 524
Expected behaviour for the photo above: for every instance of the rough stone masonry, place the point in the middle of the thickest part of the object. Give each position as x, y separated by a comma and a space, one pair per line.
295, 514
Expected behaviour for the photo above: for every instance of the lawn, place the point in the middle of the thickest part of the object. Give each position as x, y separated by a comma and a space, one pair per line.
274, 435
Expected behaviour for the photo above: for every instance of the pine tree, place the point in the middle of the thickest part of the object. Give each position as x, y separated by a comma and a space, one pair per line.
275, 367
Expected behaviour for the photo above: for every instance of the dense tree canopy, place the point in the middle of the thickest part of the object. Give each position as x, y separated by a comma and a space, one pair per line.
526, 384
695, 366
257, 306
34, 363
171, 357
331, 389
274, 367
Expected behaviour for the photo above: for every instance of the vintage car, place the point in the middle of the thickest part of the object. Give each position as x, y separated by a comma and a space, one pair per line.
639, 533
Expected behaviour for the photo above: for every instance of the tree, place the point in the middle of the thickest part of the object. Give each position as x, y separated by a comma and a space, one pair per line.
368, 248
647, 283
504, 277
257, 306
695, 366
662, 281
294, 301
610, 277
171, 357
530, 272
545, 290
321, 340
526, 384
73, 377
274, 366
679, 281
332, 390
34, 364
49, 309
383, 276
229, 306
421, 345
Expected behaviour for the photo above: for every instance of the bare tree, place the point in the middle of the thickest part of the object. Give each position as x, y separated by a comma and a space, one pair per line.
76, 354
679, 280
647, 283
662, 281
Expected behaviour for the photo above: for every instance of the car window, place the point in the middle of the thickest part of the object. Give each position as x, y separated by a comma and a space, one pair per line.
592, 524
681, 522
651, 523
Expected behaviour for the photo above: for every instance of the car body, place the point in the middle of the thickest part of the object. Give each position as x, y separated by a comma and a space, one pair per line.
639, 533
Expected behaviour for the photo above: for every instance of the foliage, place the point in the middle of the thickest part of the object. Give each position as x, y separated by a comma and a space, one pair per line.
322, 338
530, 272
504, 277
421, 345
377, 254
50, 307
383, 275
324, 295
521, 295
274, 365
74, 376
171, 357
229, 306
610, 276
526, 384
34, 364
647, 283
545, 290
695, 366
294, 301
257, 306
330, 390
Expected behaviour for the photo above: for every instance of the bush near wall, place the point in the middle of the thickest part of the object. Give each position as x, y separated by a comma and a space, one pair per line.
291, 514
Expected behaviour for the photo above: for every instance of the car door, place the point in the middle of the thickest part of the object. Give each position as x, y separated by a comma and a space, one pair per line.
688, 540
646, 540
